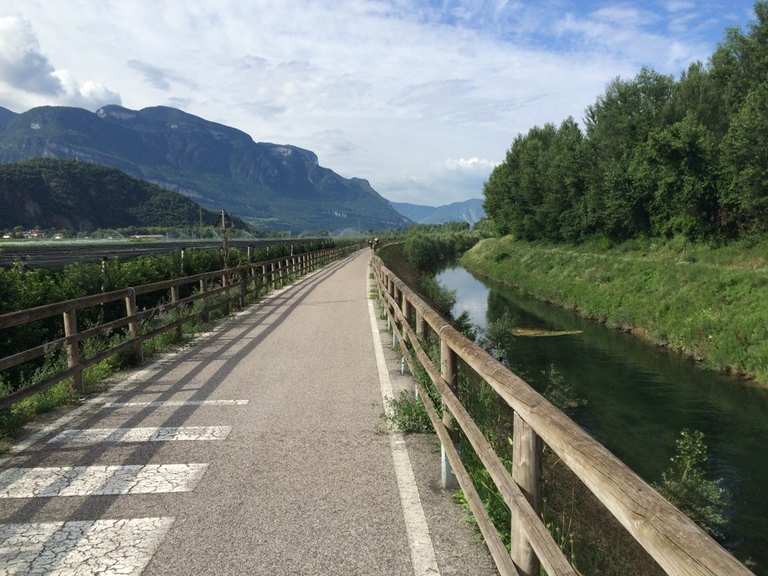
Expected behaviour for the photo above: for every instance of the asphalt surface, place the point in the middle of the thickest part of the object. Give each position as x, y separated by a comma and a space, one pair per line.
289, 471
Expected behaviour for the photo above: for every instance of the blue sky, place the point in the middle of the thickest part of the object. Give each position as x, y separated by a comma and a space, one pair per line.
421, 97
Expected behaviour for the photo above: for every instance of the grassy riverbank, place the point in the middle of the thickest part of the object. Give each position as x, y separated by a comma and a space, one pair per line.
708, 303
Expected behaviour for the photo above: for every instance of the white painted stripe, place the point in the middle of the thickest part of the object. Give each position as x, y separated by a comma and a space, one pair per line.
103, 547
98, 435
99, 480
420, 542
169, 403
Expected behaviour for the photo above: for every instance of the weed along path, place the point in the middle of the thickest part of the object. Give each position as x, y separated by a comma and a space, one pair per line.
260, 449
634, 397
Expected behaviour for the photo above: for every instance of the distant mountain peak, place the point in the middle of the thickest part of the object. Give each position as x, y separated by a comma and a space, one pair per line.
470, 211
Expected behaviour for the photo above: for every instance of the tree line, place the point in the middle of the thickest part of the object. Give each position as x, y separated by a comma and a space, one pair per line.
657, 156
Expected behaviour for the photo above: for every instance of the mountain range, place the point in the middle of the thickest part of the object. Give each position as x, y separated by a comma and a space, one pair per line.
66, 194
269, 185
470, 211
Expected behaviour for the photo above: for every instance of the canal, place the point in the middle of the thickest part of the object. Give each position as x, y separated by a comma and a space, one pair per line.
635, 398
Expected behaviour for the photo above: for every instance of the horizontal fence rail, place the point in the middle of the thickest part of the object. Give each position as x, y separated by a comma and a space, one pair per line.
231, 284
672, 539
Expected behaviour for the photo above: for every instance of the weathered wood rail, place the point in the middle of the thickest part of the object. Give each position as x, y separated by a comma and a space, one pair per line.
672, 539
232, 284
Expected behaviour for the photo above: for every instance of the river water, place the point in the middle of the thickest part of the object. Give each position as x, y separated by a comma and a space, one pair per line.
638, 398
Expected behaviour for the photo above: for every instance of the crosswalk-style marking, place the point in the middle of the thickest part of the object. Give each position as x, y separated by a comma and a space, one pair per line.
163, 434
103, 547
99, 480
170, 403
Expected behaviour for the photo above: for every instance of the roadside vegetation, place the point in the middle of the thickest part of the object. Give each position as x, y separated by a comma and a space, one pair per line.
711, 304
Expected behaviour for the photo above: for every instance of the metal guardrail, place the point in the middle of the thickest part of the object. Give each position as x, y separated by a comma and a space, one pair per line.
243, 279
672, 539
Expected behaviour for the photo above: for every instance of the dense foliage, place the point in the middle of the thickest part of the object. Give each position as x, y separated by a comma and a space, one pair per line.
429, 246
64, 194
658, 156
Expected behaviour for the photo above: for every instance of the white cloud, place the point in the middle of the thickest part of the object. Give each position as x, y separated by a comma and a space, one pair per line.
28, 78
22, 65
89, 94
473, 163
385, 90
629, 33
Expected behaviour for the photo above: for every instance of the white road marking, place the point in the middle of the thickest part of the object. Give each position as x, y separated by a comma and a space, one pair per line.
416, 527
99, 480
168, 403
98, 435
103, 547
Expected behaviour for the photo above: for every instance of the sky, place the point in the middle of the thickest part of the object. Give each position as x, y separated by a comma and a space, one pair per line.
422, 98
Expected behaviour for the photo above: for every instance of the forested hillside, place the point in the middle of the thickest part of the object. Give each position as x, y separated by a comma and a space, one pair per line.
66, 194
657, 156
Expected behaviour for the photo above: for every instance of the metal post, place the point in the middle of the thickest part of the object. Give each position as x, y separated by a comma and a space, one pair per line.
134, 327
448, 373
526, 472
73, 349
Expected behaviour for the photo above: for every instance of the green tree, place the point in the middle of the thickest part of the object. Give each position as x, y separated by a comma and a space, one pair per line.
617, 124
675, 171
744, 193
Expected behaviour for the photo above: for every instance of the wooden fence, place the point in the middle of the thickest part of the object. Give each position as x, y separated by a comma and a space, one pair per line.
672, 539
229, 284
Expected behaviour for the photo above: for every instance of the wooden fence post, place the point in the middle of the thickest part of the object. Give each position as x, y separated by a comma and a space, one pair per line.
448, 373
174, 300
134, 327
526, 472
73, 349
204, 310
243, 288
263, 282
419, 325
225, 284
